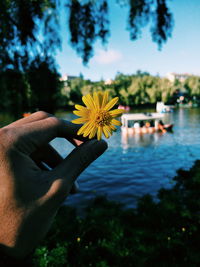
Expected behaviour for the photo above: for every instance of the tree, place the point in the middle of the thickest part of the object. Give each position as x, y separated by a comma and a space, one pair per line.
44, 83
22, 25
192, 85
31, 27
14, 92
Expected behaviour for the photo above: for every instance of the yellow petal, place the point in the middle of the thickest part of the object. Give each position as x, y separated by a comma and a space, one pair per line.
105, 99
96, 99
105, 132
116, 112
81, 113
79, 120
111, 103
113, 127
88, 130
99, 133
116, 122
82, 129
88, 101
93, 132
80, 107
108, 129
100, 96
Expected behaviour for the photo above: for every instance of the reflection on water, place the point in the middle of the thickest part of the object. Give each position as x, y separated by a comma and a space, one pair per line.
137, 139
139, 164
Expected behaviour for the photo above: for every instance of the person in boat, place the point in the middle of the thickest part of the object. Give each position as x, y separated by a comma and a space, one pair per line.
161, 127
143, 127
136, 127
165, 127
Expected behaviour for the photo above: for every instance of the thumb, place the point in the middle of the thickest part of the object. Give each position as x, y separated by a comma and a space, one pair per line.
76, 162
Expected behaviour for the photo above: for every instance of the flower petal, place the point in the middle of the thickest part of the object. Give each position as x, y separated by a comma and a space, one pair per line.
116, 112
88, 101
96, 100
82, 129
88, 130
80, 120
108, 129
113, 127
93, 132
100, 95
80, 107
81, 113
111, 103
105, 132
116, 122
99, 133
105, 99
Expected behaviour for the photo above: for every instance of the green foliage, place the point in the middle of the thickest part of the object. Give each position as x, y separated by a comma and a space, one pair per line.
31, 28
57, 256
156, 233
21, 24
44, 84
14, 92
24, 22
40, 88
133, 90
192, 85
36, 88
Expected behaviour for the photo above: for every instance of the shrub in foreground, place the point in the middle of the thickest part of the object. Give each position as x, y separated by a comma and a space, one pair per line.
156, 233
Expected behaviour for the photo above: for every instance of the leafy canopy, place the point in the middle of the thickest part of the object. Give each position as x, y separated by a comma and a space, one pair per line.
29, 28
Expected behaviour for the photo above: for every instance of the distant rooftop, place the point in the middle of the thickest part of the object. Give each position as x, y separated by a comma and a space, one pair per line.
67, 77
172, 76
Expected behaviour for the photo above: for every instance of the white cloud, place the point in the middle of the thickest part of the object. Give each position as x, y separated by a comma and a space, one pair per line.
107, 57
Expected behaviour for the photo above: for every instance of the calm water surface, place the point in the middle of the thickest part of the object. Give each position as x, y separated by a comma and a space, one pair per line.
139, 164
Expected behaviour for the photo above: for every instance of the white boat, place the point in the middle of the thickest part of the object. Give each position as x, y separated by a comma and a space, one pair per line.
131, 122
162, 108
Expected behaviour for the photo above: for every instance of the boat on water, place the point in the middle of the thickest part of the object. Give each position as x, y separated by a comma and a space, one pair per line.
144, 123
127, 108
162, 108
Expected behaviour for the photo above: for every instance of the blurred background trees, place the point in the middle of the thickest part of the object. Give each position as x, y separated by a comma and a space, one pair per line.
136, 89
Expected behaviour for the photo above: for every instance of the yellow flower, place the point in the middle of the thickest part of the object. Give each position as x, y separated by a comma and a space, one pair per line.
97, 116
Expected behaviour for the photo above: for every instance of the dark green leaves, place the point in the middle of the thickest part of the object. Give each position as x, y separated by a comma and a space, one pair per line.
87, 22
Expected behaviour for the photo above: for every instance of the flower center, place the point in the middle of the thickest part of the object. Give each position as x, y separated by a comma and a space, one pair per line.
103, 118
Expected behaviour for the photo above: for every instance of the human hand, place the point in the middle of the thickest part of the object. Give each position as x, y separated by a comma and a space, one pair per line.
30, 195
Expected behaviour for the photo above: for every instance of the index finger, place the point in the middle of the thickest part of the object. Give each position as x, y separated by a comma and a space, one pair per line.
32, 136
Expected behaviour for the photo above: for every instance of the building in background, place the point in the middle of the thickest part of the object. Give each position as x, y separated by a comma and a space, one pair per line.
65, 78
172, 76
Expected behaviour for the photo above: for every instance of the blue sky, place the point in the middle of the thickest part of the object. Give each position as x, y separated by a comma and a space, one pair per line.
180, 54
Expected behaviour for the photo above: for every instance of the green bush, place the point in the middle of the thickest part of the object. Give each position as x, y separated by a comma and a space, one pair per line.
156, 233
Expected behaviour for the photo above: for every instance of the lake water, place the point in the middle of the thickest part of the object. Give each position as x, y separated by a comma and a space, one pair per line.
140, 164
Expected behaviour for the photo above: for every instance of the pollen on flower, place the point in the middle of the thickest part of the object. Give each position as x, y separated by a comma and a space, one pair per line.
97, 116
103, 118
